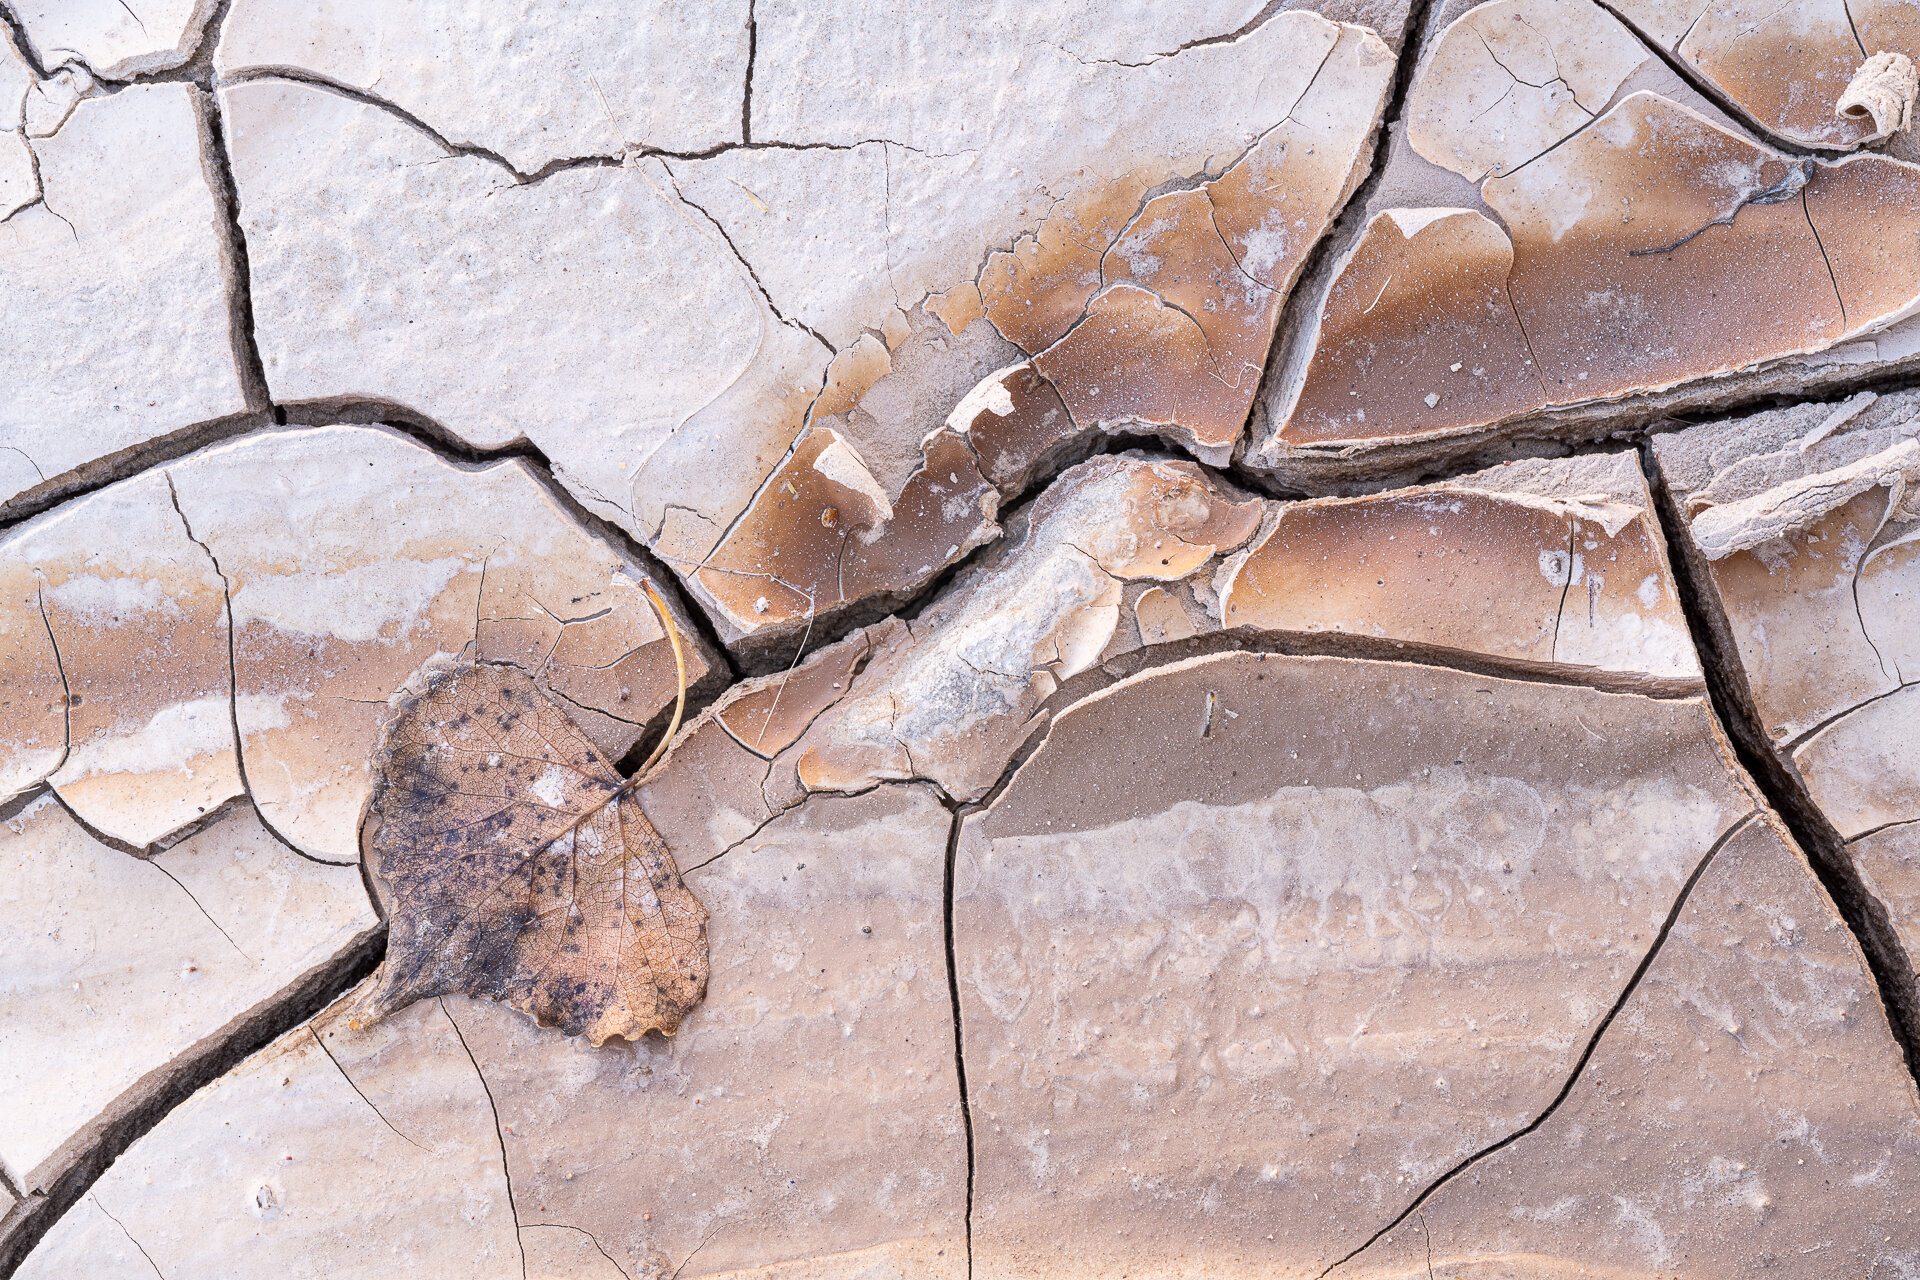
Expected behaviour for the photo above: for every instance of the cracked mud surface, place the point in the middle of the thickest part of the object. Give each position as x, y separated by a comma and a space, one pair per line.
1301, 627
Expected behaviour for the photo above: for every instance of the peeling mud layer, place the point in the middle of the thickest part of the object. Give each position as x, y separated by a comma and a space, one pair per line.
880, 640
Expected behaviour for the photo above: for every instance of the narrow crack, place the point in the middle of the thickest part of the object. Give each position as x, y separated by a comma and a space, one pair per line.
60, 667
705, 1240
1854, 27
353, 1085
1821, 245
499, 1134
960, 813
591, 1239
1580, 1066
1267, 13
1896, 495
1793, 744
235, 264
793, 322
129, 1235
155, 864
314, 79
1858, 836
1560, 614
233, 670
1791, 185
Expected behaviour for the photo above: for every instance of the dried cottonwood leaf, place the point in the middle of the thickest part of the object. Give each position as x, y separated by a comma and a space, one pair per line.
519, 869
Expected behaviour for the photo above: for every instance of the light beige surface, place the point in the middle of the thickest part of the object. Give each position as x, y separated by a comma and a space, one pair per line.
331, 1153
136, 613
355, 557
1230, 1015
115, 326
664, 329
113, 38
804, 1121
114, 965
536, 86
1507, 80
1747, 1110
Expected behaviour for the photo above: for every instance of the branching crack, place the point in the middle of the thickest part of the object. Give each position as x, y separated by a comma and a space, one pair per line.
1787, 188
719, 227
1267, 12
591, 1239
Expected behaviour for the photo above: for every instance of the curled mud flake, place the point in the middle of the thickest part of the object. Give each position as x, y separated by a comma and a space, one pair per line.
1417, 334
1793, 507
953, 698
1161, 617
946, 510
824, 532
1510, 79
1882, 91
782, 551
515, 865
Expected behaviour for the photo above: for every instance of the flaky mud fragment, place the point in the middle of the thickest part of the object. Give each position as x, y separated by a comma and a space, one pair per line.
1015, 422
1553, 565
112, 39
825, 532
951, 697
517, 866
1190, 290
1820, 613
